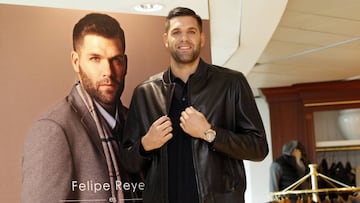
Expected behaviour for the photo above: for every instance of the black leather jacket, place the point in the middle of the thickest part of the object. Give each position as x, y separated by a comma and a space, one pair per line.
226, 100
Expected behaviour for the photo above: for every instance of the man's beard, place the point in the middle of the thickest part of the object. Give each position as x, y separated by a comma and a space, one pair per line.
185, 58
95, 93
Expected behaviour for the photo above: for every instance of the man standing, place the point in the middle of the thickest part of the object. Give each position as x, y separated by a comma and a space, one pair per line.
192, 126
288, 168
71, 153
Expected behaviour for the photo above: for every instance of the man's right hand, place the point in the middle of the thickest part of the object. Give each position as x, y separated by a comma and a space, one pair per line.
158, 134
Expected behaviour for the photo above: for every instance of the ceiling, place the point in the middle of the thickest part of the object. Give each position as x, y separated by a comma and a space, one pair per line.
316, 40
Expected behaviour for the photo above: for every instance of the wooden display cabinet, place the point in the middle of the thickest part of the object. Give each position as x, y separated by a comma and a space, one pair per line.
292, 110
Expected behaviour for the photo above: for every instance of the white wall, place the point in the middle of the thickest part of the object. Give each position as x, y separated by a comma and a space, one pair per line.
257, 173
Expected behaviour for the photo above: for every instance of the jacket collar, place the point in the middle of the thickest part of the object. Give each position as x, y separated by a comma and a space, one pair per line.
200, 72
87, 121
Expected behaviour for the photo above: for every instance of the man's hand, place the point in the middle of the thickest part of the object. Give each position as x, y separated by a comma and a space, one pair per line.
158, 134
194, 123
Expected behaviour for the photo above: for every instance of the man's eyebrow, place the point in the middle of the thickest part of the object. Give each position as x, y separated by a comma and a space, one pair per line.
94, 54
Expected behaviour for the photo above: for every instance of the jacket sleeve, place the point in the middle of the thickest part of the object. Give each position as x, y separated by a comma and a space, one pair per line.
47, 164
247, 141
275, 174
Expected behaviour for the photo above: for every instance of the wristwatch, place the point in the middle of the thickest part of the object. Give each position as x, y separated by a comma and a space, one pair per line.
209, 135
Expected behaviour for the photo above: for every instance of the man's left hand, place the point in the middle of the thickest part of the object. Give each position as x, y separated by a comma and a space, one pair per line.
193, 122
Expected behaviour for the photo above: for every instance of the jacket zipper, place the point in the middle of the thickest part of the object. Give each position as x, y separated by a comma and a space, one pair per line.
164, 151
195, 163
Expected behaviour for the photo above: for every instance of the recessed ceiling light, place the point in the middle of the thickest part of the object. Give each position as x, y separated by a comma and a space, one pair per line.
148, 7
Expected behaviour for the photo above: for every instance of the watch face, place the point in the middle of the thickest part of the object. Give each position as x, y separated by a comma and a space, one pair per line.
210, 135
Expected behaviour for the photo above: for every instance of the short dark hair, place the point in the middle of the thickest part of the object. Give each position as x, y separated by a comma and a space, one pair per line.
182, 11
98, 24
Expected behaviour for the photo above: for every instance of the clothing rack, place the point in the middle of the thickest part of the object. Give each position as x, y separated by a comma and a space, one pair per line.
314, 191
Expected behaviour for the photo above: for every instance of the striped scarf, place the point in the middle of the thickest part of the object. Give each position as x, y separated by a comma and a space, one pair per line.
108, 143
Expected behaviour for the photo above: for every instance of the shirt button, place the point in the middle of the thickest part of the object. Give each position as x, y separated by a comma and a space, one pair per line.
183, 99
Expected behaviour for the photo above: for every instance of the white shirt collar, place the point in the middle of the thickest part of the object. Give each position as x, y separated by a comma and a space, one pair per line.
108, 117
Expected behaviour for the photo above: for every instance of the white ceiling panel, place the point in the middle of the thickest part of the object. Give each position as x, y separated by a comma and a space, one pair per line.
315, 41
